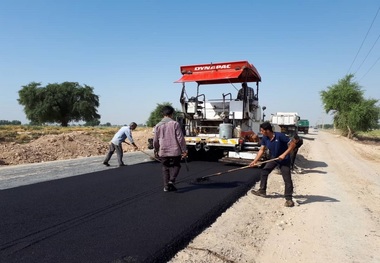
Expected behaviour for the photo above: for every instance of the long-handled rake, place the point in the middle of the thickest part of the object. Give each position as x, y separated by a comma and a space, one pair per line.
205, 178
158, 160
151, 156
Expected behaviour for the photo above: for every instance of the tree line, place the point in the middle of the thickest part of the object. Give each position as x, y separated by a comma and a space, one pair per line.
68, 101
14, 122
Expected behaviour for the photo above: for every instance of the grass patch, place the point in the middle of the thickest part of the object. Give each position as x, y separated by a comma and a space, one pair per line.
373, 135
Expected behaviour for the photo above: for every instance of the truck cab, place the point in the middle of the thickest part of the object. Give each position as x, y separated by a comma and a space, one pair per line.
303, 126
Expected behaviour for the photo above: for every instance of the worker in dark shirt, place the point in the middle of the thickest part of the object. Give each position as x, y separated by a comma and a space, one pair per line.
246, 94
280, 146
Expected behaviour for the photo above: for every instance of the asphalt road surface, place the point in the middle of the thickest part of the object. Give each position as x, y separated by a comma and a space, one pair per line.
112, 214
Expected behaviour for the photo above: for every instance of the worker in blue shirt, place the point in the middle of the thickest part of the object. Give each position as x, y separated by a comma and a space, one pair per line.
280, 146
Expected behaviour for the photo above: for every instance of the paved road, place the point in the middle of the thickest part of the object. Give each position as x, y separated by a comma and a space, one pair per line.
24, 174
113, 214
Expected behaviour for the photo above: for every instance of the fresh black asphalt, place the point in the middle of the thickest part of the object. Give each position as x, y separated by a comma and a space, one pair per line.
115, 215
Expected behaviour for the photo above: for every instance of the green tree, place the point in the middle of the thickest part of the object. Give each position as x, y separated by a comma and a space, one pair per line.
352, 112
156, 115
59, 103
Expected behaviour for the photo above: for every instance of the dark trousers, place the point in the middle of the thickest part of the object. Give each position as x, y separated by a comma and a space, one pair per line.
170, 168
119, 152
286, 176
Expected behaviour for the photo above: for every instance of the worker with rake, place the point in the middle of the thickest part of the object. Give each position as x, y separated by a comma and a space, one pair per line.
280, 146
116, 143
170, 147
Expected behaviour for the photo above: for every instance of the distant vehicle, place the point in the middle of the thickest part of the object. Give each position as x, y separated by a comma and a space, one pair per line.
303, 126
287, 121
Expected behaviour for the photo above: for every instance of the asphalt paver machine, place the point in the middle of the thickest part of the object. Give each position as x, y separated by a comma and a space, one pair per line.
220, 125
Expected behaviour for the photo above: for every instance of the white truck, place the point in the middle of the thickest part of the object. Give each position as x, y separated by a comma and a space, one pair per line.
285, 122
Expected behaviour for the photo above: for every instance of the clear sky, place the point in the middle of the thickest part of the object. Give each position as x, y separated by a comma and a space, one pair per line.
130, 51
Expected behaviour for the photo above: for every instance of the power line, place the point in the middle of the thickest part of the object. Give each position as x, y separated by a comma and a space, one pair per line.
370, 69
363, 40
368, 54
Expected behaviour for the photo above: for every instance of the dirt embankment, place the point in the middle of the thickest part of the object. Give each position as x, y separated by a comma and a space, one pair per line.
62, 147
